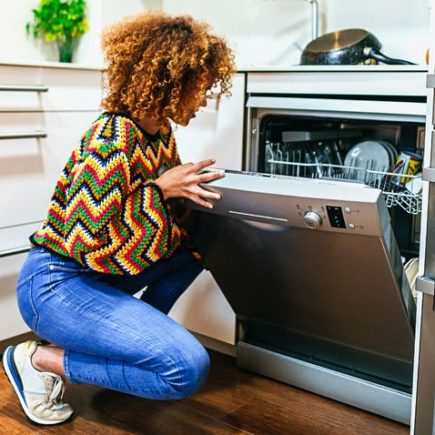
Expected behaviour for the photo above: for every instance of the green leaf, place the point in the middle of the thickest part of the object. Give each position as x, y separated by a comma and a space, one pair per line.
53, 20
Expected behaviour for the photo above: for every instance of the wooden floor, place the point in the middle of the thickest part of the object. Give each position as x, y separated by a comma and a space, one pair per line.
233, 401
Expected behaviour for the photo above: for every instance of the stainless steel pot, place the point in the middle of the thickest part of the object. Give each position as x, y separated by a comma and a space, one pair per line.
347, 47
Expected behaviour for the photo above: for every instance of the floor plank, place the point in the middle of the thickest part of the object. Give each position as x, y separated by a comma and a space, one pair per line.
233, 401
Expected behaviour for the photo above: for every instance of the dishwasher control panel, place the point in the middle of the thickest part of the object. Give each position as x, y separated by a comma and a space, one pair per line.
336, 216
315, 205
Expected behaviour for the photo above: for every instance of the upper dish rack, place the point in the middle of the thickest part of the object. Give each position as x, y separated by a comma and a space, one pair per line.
398, 189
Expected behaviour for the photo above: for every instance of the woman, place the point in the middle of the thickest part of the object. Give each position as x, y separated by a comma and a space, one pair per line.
110, 230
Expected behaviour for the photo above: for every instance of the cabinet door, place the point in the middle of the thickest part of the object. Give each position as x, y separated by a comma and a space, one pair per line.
11, 323
71, 89
29, 168
204, 309
217, 132
423, 412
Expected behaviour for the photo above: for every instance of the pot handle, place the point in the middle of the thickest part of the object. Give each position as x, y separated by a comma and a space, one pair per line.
380, 57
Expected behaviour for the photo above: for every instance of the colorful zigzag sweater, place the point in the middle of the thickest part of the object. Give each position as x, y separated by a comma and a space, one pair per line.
105, 211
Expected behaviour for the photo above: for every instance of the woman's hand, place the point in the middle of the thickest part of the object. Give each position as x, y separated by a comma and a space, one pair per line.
183, 182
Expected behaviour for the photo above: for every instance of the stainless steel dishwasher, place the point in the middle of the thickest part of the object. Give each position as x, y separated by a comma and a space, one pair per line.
313, 272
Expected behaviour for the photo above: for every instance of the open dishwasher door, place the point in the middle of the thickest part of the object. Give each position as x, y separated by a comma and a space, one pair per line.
313, 273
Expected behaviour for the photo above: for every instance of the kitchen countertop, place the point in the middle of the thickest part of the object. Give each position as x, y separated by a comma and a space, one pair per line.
249, 68
49, 64
333, 68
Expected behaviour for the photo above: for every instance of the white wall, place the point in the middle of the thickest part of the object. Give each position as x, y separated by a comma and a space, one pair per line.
19, 47
274, 32
402, 26
263, 32
114, 10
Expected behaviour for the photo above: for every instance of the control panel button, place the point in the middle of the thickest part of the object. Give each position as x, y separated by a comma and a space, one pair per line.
351, 226
312, 220
335, 215
347, 209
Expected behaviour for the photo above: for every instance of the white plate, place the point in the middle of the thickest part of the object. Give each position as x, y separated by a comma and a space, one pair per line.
392, 152
415, 184
369, 154
411, 272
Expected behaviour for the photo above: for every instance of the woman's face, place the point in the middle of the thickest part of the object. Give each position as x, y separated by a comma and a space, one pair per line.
193, 101
193, 105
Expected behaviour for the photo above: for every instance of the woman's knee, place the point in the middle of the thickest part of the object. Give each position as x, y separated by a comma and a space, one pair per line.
193, 366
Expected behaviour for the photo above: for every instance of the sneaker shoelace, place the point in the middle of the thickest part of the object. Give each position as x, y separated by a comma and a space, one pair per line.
55, 388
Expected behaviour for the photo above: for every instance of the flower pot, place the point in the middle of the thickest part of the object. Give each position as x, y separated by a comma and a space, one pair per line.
66, 49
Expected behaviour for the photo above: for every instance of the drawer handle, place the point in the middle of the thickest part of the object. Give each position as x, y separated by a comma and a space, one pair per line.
14, 251
26, 135
24, 88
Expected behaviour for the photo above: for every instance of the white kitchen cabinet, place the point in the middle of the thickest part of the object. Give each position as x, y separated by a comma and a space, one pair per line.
53, 106
216, 132
11, 323
59, 89
204, 309
29, 168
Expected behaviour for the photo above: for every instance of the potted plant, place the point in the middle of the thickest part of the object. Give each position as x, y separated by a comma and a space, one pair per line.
60, 21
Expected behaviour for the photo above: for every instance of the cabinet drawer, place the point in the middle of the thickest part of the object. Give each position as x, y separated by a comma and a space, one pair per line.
11, 323
59, 89
16, 238
29, 168
71, 89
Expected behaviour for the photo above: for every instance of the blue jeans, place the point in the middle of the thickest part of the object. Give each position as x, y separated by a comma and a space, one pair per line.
111, 338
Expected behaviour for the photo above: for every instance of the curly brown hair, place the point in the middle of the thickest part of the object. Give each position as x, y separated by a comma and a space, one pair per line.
158, 64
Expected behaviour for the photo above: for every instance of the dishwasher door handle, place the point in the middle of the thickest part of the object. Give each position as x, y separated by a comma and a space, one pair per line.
255, 215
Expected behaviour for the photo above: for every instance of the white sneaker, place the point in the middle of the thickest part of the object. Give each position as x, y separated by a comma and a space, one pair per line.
40, 393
